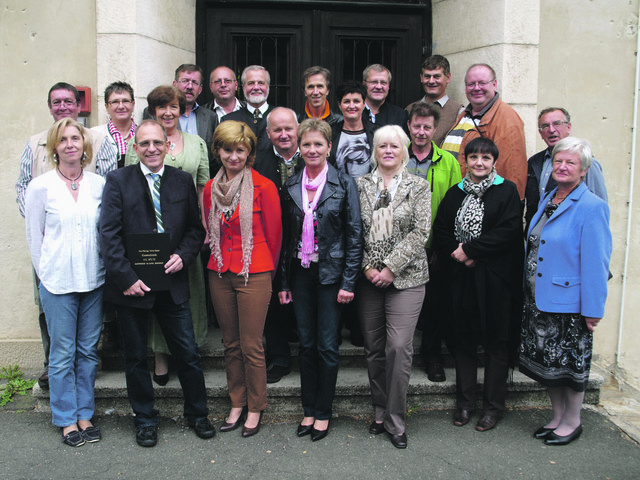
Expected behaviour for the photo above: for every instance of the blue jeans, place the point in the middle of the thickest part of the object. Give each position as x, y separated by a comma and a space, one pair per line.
318, 314
177, 328
74, 322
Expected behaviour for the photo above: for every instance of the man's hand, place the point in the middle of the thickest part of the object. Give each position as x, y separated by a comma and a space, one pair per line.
138, 289
173, 265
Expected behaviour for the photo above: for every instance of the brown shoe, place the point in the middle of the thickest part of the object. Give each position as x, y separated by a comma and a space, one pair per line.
487, 422
461, 417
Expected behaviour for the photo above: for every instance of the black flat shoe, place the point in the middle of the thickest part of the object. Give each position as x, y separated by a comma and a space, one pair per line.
249, 432
304, 430
398, 441
487, 422
553, 439
161, 380
435, 372
91, 434
147, 436
376, 428
461, 417
73, 439
542, 433
204, 428
318, 434
227, 427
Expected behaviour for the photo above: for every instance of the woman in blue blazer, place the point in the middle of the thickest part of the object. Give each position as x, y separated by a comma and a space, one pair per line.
566, 272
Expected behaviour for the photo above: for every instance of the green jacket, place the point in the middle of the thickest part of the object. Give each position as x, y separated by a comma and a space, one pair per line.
443, 173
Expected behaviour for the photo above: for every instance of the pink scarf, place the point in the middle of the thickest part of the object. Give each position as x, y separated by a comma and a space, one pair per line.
317, 185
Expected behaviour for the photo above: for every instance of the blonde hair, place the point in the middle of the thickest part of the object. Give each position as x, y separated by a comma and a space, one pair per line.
54, 137
386, 133
230, 133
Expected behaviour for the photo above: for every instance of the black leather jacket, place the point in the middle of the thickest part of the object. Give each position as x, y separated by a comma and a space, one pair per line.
339, 229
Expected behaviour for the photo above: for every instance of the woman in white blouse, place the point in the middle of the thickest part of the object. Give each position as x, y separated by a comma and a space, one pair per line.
62, 209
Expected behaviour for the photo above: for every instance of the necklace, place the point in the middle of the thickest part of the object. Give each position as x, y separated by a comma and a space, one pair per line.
172, 146
74, 185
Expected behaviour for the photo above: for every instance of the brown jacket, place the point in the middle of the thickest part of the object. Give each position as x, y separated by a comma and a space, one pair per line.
504, 126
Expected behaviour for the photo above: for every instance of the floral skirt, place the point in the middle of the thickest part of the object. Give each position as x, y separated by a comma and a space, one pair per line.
555, 348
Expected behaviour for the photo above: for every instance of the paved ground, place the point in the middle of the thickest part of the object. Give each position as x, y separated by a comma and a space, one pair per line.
30, 448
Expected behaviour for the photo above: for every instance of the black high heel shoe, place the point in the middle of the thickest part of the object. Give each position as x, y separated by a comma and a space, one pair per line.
249, 432
227, 427
161, 380
318, 434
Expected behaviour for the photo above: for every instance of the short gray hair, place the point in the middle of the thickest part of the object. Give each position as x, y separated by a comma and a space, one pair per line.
257, 68
579, 146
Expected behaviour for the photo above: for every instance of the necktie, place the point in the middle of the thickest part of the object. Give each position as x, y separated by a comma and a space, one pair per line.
257, 113
155, 195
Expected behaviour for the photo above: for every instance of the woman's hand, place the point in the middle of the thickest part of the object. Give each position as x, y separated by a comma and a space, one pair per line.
344, 296
384, 278
371, 274
285, 297
459, 255
592, 323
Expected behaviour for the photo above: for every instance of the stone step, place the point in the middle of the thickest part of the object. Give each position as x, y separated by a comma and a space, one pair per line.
352, 393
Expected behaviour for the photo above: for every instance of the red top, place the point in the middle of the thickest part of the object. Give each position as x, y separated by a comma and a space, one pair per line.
267, 230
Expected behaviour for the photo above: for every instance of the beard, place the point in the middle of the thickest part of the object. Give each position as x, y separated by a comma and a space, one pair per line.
256, 98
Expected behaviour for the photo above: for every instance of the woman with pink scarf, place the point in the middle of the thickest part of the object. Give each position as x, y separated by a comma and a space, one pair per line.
320, 260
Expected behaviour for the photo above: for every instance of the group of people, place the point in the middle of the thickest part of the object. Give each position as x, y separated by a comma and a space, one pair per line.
405, 217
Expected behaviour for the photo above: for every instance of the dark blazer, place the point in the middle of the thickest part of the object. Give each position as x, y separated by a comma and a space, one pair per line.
127, 208
257, 125
389, 115
267, 164
336, 130
339, 229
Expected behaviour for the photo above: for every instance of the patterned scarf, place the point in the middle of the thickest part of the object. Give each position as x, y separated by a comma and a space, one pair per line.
317, 185
468, 224
380, 241
226, 195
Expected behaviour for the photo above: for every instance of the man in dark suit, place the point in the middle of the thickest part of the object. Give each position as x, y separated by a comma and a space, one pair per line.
255, 81
279, 162
141, 199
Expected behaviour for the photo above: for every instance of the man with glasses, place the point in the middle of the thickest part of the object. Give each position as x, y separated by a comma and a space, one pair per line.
223, 85
554, 124
435, 75
377, 80
64, 102
488, 116
151, 198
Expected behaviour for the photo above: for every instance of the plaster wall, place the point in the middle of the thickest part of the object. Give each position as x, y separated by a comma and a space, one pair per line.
86, 43
501, 33
587, 65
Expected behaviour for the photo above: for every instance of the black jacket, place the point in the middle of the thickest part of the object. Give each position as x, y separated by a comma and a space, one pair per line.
336, 130
339, 229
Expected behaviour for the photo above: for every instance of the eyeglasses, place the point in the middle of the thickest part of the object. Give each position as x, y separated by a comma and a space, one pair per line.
125, 102
557, 124
478, 84
66, 103
381, 83
187, 81
222, 81
147, 143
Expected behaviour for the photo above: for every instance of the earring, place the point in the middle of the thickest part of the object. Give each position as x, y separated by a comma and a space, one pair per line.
55, 157
84, 156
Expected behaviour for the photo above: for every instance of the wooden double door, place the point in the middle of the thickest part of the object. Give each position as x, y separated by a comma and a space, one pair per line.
288, 36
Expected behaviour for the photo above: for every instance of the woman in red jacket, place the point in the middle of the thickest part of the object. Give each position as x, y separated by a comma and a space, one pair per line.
245, 234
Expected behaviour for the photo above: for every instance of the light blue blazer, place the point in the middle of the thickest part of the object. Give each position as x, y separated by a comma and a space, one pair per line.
574, 254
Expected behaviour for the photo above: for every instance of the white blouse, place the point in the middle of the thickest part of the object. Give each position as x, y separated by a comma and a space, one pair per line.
62, 233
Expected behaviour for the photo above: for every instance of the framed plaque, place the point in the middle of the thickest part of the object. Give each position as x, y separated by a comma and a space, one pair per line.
148, 252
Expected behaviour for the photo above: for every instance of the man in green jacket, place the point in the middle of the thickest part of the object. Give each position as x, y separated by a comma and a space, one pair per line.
442, 171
